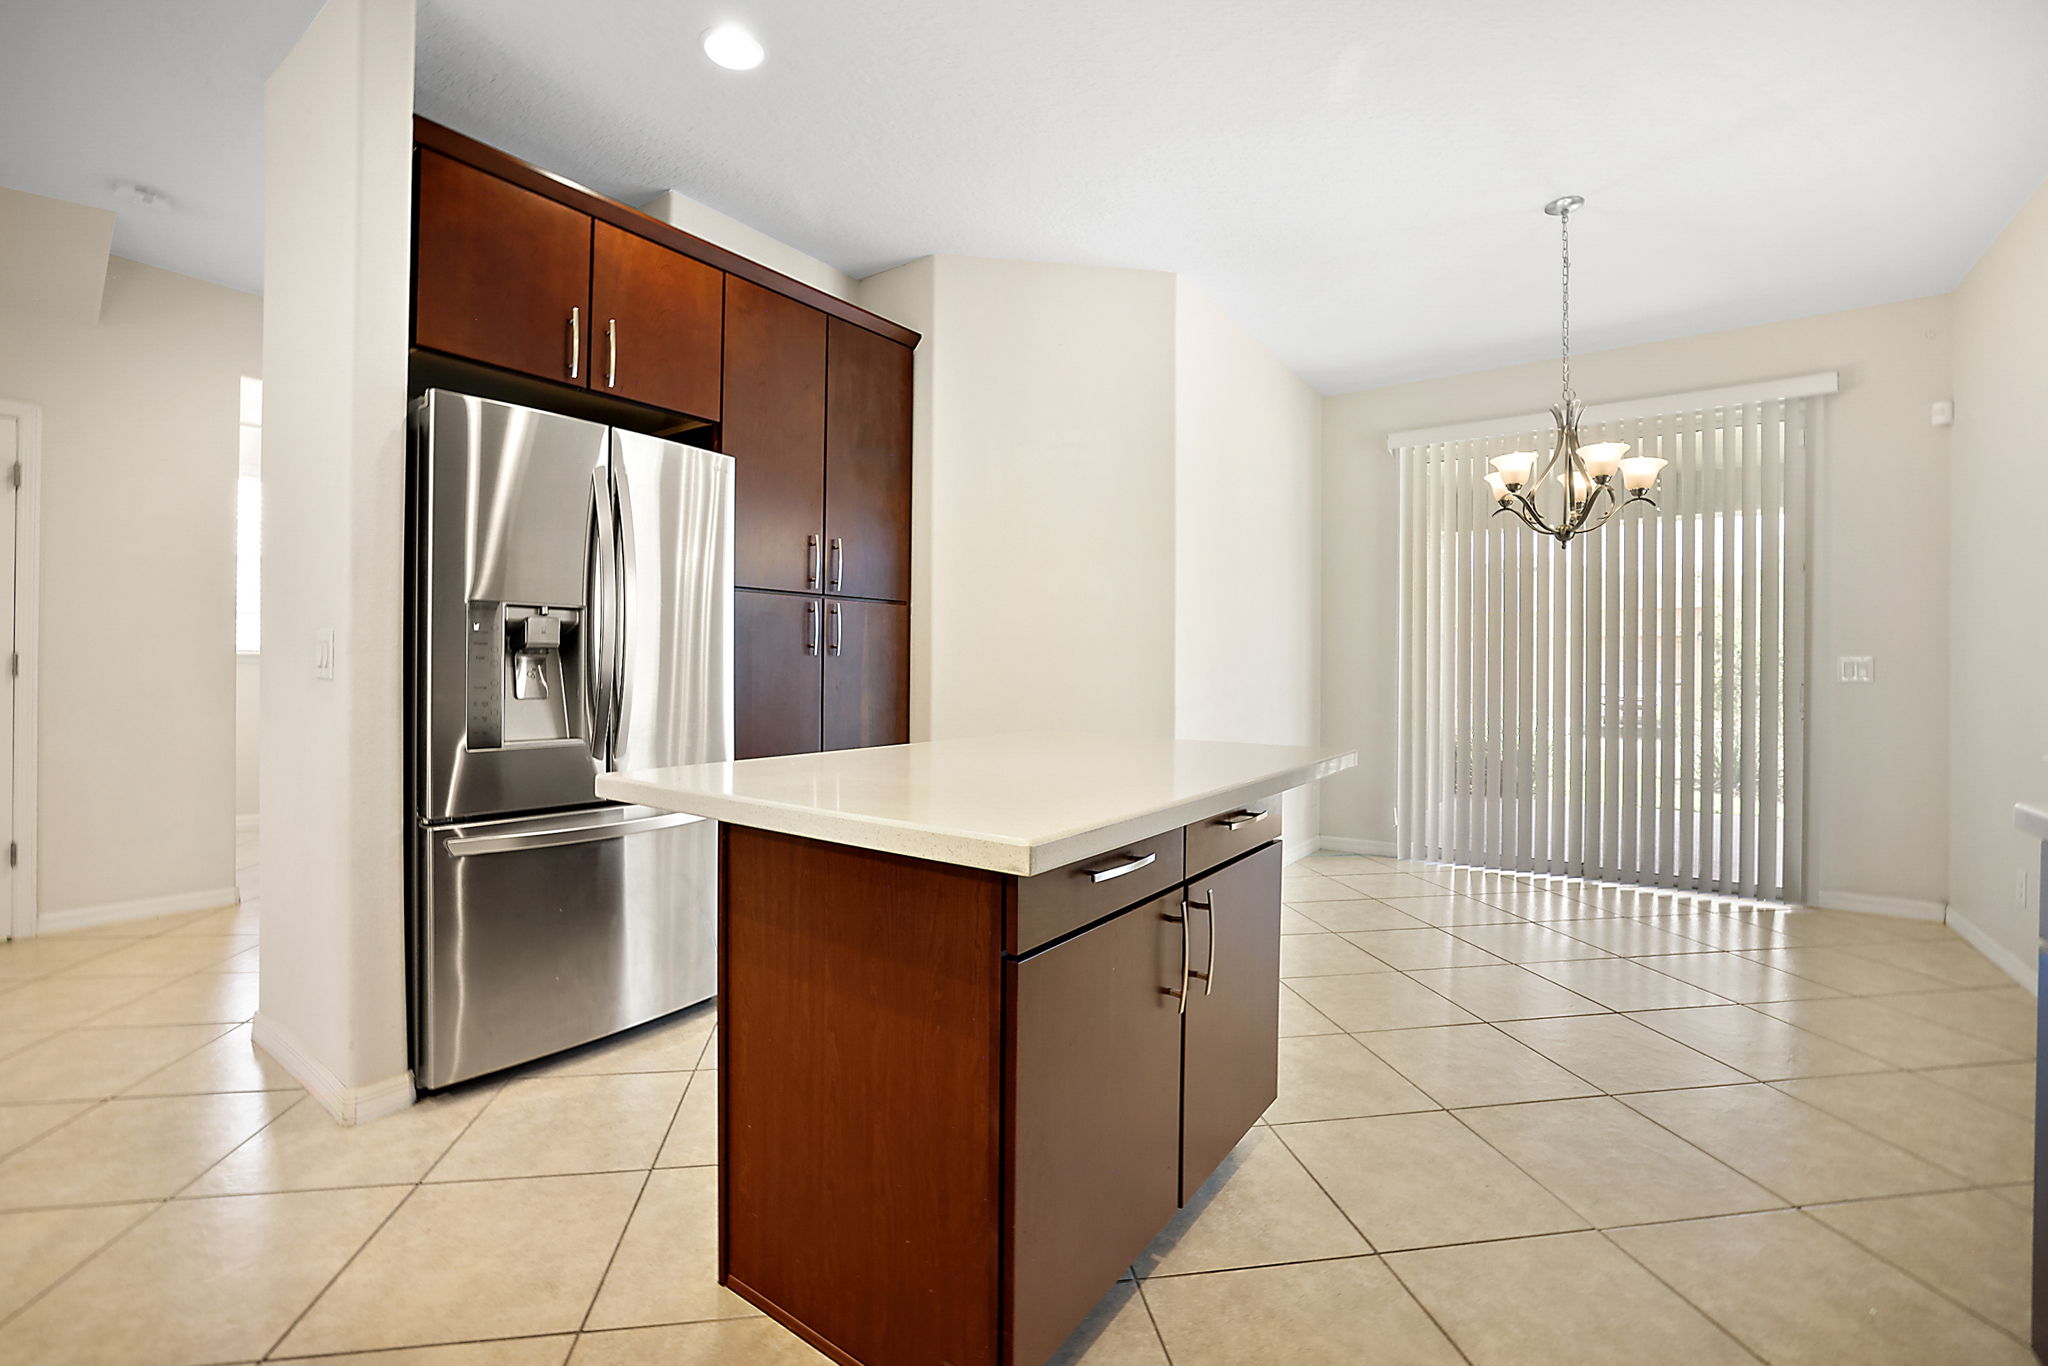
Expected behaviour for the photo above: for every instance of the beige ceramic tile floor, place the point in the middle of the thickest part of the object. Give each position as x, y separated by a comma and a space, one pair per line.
1520, 1123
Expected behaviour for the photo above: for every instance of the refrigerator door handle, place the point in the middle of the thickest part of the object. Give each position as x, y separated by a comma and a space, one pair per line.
623, 558
601, 654
468, 846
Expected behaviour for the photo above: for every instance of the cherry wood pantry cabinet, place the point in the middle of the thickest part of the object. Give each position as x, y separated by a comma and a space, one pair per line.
534, 290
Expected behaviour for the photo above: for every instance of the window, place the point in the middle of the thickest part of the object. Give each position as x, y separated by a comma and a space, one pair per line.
249, 523
1626, 707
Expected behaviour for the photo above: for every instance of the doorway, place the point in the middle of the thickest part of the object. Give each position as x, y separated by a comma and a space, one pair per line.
20, 470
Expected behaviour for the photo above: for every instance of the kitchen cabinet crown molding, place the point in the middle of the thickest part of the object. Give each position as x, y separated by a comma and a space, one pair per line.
483, 157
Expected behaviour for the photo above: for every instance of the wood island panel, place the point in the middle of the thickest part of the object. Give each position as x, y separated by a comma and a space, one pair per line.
860, 1057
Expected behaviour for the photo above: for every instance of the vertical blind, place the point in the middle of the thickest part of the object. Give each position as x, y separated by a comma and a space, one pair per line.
1627, 707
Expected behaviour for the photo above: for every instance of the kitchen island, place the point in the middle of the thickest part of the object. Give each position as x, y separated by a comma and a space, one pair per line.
990, 1011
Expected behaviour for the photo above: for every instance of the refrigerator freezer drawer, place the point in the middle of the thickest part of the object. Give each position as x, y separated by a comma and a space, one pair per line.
540, 933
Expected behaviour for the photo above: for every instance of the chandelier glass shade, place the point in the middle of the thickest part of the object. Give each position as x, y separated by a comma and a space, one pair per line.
1572, 489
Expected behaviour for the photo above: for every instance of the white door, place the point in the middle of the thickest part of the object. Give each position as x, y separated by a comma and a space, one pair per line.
10, 451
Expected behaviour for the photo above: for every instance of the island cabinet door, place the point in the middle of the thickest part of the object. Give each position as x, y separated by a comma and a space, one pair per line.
1231, 1045
1095, 1045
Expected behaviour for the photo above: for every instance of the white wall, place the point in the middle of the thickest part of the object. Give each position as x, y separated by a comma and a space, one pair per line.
1877, 766
337, 248
1114, 508
701, 220
1998, 632
1043, 497
248, 737
136, 736
1247, 575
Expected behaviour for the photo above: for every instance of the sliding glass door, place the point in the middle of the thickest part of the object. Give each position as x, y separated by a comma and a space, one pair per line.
1627, 707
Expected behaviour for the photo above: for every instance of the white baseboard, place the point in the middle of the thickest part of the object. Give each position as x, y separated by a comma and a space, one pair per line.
1339, 845
1899, 907
348, 1104
2019, 969
114, 912
1295, 848
249, 824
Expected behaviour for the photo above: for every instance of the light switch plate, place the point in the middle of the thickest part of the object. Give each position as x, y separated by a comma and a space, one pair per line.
323, 652
1857, 669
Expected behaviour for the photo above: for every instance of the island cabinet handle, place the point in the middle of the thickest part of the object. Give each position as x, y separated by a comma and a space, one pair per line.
1118, 870
1186, 954
1188, 909
1245, 817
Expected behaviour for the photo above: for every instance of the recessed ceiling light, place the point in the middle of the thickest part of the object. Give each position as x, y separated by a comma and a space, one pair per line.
733, 47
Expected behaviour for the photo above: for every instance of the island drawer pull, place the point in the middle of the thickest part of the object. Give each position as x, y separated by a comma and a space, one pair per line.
1118, 870
1245, 817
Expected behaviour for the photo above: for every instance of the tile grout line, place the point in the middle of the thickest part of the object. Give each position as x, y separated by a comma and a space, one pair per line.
382, 1224
647, 1179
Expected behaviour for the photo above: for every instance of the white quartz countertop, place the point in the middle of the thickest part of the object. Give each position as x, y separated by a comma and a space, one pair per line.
1009, 803
2032, 817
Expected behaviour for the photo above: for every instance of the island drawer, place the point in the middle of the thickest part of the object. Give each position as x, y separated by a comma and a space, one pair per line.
1213, 842
1063, 900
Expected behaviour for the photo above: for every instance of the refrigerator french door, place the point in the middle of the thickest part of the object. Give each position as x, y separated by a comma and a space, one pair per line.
571, 614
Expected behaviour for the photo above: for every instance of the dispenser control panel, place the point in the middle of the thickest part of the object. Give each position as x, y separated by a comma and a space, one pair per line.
486, 676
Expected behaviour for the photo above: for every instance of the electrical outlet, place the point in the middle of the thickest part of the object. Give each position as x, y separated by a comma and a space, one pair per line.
1857, 669
323, 652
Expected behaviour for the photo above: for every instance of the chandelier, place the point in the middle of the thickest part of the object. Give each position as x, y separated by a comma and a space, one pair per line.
1582, 477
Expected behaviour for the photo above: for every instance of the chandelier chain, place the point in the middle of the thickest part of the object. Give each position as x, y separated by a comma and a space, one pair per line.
1564, 227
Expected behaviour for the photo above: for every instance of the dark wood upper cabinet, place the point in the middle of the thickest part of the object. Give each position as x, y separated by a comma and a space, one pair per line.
867, 458
1229, 1064
1096, 1109
655, 318
867, 673
500, 272
777, 674
774, 429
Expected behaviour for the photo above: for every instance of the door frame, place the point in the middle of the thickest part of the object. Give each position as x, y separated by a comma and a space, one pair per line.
28, 522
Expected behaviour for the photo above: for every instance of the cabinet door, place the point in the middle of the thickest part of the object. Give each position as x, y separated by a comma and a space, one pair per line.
777, 674
867, 465
867, 673
655, 317
1230, 1055
498, 271
1096, 1107
774, 429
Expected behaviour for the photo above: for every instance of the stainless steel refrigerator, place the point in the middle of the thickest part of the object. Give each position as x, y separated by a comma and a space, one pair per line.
571, 614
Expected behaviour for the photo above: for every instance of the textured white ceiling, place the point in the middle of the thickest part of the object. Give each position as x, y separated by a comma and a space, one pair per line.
1357, 181
163, 93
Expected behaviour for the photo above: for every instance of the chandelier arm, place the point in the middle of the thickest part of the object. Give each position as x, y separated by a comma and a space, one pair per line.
1532, 517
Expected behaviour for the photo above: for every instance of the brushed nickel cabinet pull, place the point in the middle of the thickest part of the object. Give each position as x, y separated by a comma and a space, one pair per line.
1209, 975
575, 340
1245, 817
810, 628
1185, 953
611, 353
838, 562
814, 559
837, 629
1208, 972
1114, 870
